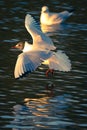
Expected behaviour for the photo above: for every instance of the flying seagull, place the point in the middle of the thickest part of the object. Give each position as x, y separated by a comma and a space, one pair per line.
41, 51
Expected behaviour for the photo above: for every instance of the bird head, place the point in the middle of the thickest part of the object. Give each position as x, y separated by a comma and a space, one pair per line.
19, 45
45, 9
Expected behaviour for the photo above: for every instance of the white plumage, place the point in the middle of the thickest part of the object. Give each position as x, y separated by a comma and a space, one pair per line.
29, 61
59, 61
40, 40
39, 52
51, 18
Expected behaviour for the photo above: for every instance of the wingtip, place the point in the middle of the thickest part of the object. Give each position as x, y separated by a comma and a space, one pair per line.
22, 75
27, 16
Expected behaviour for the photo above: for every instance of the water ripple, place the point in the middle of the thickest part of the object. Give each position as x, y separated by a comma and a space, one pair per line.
37, 102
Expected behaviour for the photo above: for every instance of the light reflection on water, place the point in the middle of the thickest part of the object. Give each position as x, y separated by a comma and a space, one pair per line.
37, 102
43, 112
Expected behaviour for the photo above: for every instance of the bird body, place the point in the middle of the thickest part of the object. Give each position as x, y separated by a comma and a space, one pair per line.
27, 47
50, 18
40, 52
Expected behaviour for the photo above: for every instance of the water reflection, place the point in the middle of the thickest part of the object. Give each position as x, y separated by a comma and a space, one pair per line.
64, 106
63, 29
55, 105
37, 113
53, 28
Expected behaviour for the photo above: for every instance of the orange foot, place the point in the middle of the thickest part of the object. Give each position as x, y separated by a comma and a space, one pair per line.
49, 71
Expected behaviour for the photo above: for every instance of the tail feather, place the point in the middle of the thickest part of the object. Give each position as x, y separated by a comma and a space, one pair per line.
60, 61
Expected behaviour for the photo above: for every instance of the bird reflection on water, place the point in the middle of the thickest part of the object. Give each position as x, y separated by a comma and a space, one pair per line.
50, 89
53, 29
43, 112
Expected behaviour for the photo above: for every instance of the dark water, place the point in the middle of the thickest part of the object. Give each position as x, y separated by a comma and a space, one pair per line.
37, 102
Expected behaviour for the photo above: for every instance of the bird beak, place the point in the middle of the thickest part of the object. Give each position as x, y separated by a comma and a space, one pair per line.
14, 47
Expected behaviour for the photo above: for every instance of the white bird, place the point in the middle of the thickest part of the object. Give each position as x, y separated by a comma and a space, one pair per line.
39, 52
51, 18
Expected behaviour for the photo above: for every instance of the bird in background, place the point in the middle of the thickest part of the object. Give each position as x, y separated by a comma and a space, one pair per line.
41, 51
51, 18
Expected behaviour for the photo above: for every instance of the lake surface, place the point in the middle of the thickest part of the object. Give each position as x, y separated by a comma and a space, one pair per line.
37, 102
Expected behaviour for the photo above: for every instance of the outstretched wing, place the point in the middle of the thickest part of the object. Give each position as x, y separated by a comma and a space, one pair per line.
40, 40
29, 61
59, 61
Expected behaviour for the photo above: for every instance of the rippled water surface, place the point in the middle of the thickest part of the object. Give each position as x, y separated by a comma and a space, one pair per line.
37, 102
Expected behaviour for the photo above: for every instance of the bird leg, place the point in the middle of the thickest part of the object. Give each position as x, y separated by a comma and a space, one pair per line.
49, 71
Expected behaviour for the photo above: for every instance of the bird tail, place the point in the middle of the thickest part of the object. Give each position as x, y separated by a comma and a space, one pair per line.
59, 61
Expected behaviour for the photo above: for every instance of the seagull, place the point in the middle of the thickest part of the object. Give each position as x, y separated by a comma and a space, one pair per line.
41, 51
51, 18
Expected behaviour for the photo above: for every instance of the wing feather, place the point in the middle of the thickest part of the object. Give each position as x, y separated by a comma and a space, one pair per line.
59, 61
39, 38
29, 61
